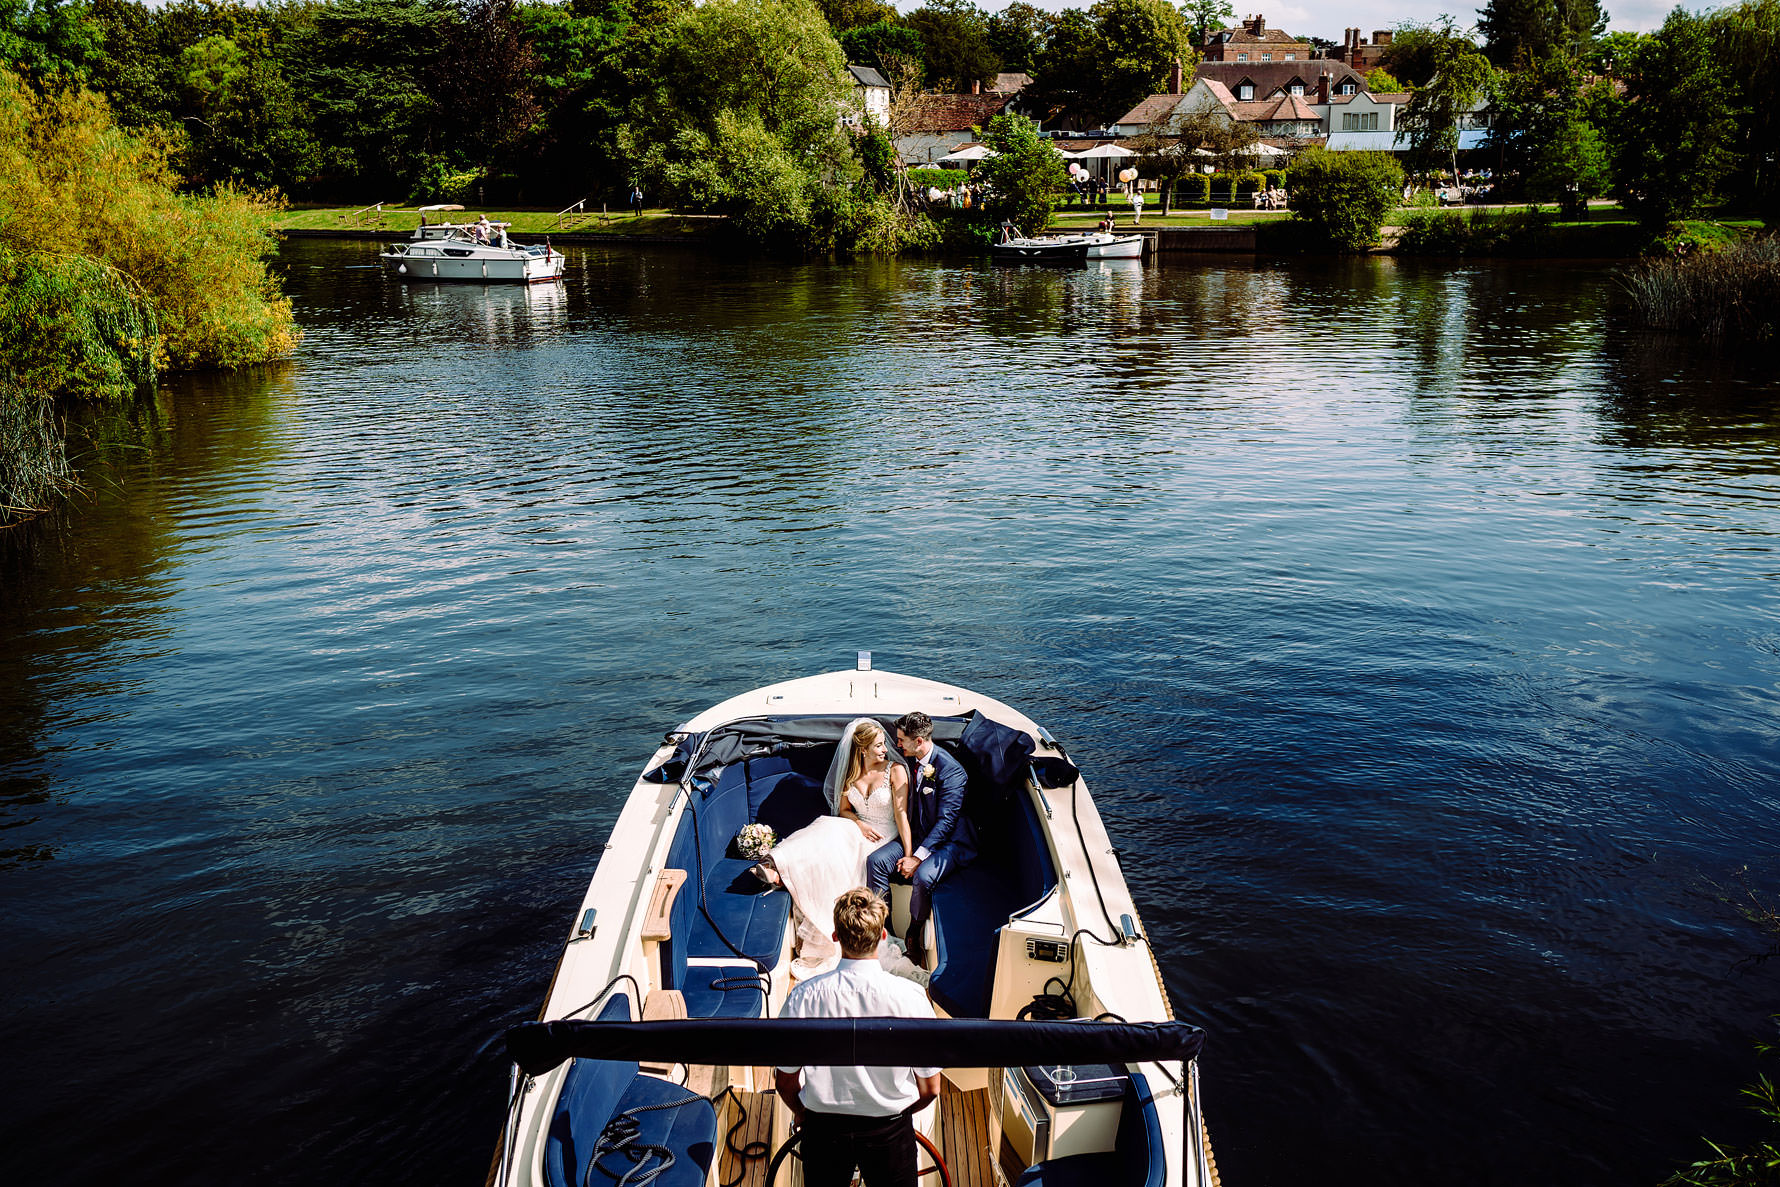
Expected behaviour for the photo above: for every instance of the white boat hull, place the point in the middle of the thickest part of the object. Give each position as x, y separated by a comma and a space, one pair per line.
521, 270
1117, 247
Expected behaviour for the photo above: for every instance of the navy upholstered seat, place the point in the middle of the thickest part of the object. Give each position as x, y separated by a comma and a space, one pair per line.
1138, 1160
1013, 872
754, 918
723, 991
596, 1090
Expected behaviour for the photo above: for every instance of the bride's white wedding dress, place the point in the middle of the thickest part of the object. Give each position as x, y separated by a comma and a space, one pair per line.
822, 861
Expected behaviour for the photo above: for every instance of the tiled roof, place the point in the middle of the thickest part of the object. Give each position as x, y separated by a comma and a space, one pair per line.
1219, 91
953, 113
1242, 36
1150, 110
1010, 84
1279, 76
865, 76
1280, 107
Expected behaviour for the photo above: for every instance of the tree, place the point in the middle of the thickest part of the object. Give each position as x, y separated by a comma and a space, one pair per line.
1100, 64
1545, 133
881, 44
1344, 196
1177, 144
1519, 31
1205, 17
853, 14
1067, 69
956, 34
757, 139
1461, 79
1381, 82
1017, 33
1414, 52
44, 38
1748, 37
1023, 177
1672, 148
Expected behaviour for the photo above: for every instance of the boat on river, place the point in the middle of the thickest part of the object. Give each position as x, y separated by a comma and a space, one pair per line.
659, 1030
480, 253
1014, 246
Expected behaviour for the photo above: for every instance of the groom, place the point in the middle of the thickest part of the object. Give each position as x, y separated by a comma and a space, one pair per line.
945, 840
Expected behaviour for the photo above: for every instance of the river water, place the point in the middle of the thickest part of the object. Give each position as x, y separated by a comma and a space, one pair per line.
1416, 626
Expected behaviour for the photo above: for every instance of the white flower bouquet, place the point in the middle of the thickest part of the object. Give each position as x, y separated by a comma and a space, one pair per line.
755, 841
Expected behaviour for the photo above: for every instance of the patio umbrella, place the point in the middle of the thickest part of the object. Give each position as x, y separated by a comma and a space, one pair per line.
1267, 150
970, 152
1107, 150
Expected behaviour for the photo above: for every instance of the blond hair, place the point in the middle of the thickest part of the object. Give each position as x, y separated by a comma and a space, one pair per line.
859, 921
863, 738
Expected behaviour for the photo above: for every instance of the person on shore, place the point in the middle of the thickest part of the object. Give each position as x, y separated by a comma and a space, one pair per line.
636, 201
857, 1117
1136, 204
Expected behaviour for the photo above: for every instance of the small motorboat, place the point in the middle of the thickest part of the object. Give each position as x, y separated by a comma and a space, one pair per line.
1013, 246
1063, 1063
480, 253
1105, 246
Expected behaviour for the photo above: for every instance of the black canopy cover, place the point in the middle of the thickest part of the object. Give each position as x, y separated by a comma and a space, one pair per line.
852, 1042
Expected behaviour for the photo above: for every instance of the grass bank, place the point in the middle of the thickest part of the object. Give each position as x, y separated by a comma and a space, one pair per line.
652, 223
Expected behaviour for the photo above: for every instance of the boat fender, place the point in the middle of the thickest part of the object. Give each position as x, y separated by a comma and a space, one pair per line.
402, 269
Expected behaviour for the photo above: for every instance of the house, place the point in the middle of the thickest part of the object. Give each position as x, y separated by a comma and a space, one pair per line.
1283, 117
1249, 81
1283, 120
871, 93
1373, 121
938, 124
1359, 53
1253, 41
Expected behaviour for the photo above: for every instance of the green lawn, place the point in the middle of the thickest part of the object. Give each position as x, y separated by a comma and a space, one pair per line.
525, 222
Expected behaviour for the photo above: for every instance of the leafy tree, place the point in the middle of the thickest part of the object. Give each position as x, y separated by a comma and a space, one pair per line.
1067, 70
1673, 144
584, 87
956, 35
47, 38
1018, 32
1101, 63
1748, 37
1023, 177
1344, 197
1381, 82
1573, 167
1520, 31
1461, 79
757, 139
1416, 50
855, 14
485, 85
1545, 133
1205, 17
881, 45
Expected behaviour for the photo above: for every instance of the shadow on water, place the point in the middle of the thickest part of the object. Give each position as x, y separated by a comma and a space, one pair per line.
1413, 624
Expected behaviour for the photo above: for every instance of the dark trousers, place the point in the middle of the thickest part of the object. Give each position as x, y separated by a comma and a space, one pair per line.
883, 1148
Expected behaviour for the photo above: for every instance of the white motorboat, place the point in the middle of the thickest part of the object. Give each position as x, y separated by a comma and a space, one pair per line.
1104, 246
1014, 246
1063, 1063
479, 253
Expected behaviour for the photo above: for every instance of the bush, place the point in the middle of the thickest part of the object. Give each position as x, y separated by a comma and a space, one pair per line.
1345, 196
937, 179
1475, 233
1276, 178
1024, 176
1248, 184
1194, 189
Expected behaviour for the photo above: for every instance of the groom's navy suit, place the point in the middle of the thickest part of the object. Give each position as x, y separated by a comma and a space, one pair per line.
945, 840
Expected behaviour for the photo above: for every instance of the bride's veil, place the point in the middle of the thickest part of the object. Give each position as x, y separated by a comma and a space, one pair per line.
836, 782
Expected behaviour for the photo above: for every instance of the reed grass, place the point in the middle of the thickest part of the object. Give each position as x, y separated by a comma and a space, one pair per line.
1723, 297
34, 469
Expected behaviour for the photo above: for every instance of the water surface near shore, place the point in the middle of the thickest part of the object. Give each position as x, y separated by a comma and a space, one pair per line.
1416, 627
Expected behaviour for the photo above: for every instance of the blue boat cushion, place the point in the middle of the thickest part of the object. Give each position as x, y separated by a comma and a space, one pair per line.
1013, 871
723, 991
598, 1090
1138, 1160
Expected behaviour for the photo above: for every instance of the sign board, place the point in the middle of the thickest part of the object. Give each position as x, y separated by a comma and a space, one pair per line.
1220, 213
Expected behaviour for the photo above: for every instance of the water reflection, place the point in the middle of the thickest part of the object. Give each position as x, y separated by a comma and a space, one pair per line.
1393, 607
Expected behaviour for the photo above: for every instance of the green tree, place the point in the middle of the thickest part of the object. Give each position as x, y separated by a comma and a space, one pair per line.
1017, 33
1024, 176
1344, 196
881, 45
1461, 79
47, 38
757, 139
1066, 72
1381, 82
855, 14
1205, 17
1672, 146
1748, 39
1416, 49
1544, 132
1101, 63
1520, 31
956, 36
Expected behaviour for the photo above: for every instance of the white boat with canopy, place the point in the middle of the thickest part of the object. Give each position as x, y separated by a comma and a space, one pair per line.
652, 1059
479, 252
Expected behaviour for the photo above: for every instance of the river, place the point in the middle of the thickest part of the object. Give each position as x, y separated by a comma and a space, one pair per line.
1415, 624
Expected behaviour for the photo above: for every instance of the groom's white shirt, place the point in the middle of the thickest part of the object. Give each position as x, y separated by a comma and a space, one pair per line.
859, 989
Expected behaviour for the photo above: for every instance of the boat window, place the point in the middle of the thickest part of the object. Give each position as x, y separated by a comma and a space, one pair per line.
423, 251
458, 251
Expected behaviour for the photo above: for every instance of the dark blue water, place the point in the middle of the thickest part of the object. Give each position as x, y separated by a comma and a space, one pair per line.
1416, 626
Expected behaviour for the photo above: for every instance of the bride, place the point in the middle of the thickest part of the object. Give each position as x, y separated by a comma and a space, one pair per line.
868, 794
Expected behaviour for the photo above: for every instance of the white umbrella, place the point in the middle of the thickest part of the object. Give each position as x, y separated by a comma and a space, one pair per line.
1267, 150
973, 152
1107, 150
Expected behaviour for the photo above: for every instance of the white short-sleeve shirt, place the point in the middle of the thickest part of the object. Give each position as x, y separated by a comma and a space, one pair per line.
859, 989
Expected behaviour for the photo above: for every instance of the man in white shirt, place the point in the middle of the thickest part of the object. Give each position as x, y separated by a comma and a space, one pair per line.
858, 1116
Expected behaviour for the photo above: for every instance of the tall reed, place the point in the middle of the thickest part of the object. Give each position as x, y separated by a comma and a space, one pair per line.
1722, 297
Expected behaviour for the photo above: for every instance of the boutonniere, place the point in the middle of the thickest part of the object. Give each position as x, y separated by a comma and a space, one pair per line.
927, 771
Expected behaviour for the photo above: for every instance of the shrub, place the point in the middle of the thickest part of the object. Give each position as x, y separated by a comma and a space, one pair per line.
937, 179
1223, 189
1023, 177
1248, 184
1344, 195
1194, 189
1475, 233
1276, 178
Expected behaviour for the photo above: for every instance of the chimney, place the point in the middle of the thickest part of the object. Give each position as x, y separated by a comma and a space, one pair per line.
976, 86
1259, 26
1381, 37
1174, 78
1322, 89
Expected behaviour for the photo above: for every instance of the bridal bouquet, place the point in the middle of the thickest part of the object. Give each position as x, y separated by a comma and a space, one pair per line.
755, 841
